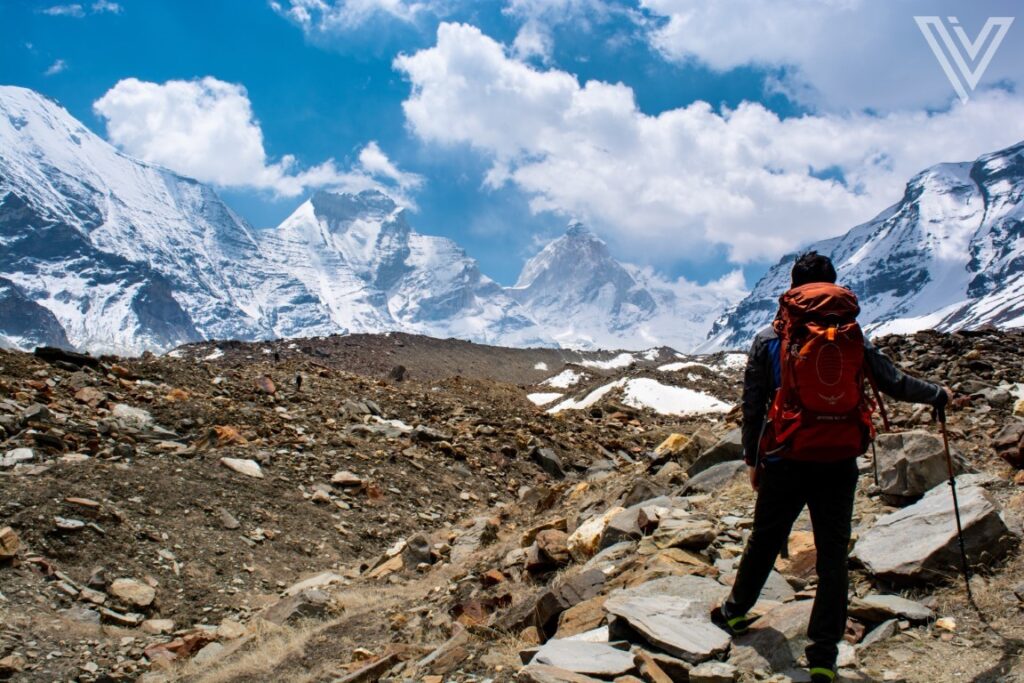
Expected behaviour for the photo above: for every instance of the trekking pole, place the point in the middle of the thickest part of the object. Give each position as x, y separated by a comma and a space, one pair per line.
940, 413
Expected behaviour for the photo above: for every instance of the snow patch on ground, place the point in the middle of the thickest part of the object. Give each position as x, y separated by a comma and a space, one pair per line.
176, 353
588, 400
623, 360
217, 353
682, 365
564, 379
543, 398
669, 400
541, 366
733, 361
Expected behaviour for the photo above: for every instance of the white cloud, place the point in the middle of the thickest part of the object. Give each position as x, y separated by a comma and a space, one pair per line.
835, 54
65, 11
328, 16
106, 6
78, 11
675, 185
206, 129
57, 67
373, 160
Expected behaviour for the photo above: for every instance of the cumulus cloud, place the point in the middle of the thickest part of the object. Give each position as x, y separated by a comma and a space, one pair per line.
76, 11
831, 54
327, 16
206, 129
677, 184
57, 67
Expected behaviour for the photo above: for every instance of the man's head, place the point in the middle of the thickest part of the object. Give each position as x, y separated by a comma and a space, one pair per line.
813, 267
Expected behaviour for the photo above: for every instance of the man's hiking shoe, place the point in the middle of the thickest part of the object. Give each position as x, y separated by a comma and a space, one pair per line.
734, 626
820, 674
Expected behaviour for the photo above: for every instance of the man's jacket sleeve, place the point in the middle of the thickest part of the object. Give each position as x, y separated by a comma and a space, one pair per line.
896, 383
756, 385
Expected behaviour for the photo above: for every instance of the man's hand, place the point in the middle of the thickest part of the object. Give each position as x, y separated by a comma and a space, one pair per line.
755, 477
944, 398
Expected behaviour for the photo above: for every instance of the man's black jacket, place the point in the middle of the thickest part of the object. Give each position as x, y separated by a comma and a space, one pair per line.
759, 383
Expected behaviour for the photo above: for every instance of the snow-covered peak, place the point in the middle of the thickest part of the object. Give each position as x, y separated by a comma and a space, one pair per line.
588, 299
340, 209
949, 255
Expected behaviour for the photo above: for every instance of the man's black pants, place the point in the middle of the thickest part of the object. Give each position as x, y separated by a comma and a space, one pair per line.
827, 489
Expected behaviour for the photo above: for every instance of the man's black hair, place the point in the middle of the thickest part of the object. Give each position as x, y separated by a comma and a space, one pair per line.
813, 267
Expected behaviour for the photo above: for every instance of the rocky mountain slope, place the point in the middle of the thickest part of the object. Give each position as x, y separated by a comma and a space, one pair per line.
207, 516
129, 257
949, 255
358, 256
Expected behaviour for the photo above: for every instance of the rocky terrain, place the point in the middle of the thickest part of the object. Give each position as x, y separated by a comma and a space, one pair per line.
392, 507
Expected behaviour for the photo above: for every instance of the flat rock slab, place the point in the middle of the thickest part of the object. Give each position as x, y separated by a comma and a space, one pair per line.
919, 543
715, 478
713, 672
703, 593
774, 641
879, 608
672, 624
249, 468
582, 657
687, 532
776, 588
543, 673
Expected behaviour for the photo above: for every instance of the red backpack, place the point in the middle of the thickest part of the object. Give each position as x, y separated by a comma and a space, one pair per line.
821, 411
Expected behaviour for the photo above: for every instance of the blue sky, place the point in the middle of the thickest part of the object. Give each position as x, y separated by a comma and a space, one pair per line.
696, 138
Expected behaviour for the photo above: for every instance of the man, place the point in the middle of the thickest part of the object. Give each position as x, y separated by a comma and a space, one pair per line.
786, 483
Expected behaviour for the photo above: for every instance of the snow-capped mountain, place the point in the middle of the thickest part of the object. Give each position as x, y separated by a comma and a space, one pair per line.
587, 299
358, 256
949, 255
103, 252
125, 255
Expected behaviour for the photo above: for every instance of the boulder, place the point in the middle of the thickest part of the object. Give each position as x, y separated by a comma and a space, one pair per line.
874, 609
715, 478
775, 641
684, 532
16, 455
919, 542
132, 592
1009, 443
572, 591
713, 672
416, 551
9, 543
548, 461
622, 527
909, 464
586, 540
729, 448
579, 656
581, 618
553, 546
672, 624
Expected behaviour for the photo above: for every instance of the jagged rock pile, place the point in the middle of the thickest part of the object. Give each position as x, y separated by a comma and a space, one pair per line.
364, 529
